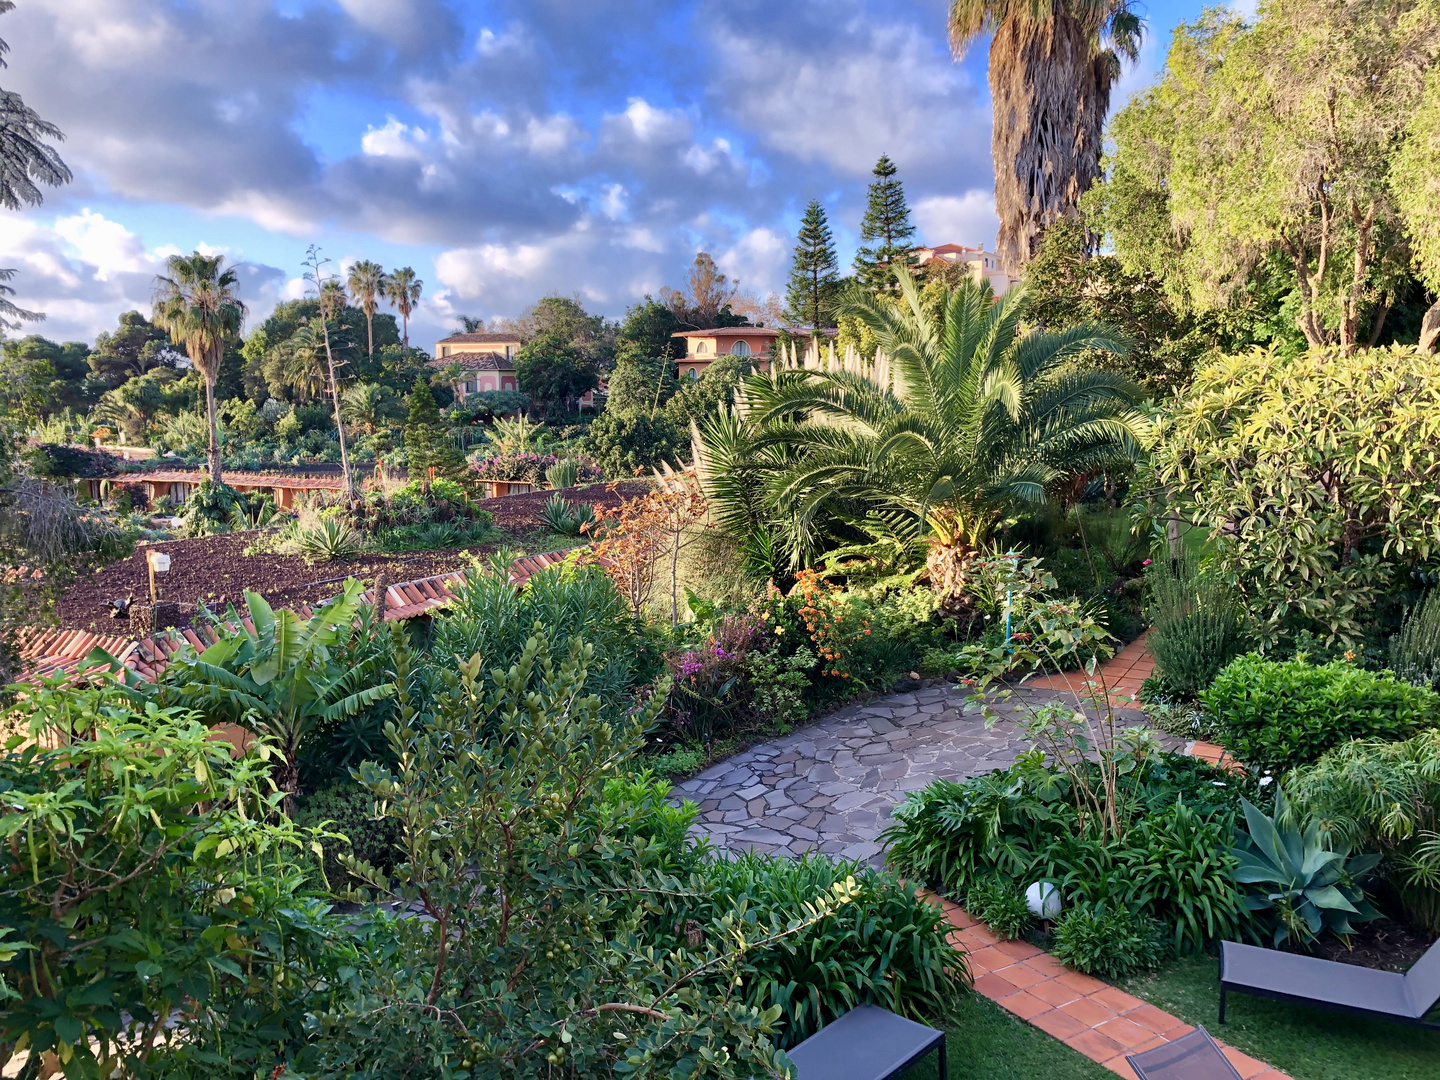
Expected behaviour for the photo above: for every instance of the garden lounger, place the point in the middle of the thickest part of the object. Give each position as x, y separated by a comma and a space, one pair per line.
1190, 1057
867, 1043
1306, 980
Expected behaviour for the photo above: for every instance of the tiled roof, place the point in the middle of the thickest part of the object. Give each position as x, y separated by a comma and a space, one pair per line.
480, 338
47, 653
234, 477
730, 331
948, 249
478, 361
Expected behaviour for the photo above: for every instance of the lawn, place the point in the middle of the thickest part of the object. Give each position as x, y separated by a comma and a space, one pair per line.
985, 1042
1309, 1044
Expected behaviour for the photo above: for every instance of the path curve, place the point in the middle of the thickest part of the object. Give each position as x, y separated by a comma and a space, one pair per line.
830, 786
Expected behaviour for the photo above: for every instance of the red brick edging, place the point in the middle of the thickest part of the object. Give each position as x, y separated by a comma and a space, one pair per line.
1087, 1015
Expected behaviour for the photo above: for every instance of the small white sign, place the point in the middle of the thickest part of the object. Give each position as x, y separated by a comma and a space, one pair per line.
159, 561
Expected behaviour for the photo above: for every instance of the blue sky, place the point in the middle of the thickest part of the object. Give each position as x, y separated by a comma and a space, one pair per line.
505, 149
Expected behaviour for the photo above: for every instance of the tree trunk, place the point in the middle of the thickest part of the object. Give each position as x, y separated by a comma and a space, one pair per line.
949, 566
339, 422
1049, 94
212, 455
1430, 328
369, 333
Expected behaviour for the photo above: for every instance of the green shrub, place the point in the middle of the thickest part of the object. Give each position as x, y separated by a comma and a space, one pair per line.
1108, 940
566, 518
209, 507
1198, 626
1415, 650
888, 946
1279, 714
345, 809
1372, 795
1316, 515
1000, 904
622, 445
565, 473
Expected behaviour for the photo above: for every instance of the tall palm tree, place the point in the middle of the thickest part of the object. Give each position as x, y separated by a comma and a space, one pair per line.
957, 416
198, 304
367, 285
1052, 64
402, 289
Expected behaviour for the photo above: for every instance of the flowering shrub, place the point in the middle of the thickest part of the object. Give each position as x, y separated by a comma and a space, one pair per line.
710, 689
831, 620
526, 468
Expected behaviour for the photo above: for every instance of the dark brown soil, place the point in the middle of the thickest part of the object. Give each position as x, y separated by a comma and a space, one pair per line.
214, 570
1383, 944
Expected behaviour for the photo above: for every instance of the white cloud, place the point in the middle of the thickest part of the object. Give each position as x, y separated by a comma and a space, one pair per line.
649, 124
395, 140
757, 260
106, 245
958, 219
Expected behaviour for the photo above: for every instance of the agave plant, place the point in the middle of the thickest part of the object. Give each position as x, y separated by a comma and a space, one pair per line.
567, 518
957, 415
330, 540
1290, 874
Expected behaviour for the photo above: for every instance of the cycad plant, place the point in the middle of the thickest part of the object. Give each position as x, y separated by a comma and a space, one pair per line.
957, 415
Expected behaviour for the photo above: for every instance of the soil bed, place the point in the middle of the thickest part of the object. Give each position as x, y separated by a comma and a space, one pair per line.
213, 570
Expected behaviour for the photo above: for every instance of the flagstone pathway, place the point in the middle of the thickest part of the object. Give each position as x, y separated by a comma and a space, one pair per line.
830, 786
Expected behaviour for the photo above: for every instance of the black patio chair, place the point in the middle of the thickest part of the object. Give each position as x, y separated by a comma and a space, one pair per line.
1191, 1057
1308, 980
867, 1043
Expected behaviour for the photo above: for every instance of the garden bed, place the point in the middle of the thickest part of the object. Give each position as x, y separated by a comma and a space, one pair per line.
214, 569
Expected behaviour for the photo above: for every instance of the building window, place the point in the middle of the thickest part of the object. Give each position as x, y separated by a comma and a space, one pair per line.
444, 350
740, 348
701, 348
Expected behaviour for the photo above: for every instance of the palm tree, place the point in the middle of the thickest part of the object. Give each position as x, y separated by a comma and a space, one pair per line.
367, 285
402, 289
957, 416
198, 305
1052, 65
367, 406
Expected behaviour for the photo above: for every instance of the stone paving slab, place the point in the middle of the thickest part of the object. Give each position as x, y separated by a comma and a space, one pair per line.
831, 786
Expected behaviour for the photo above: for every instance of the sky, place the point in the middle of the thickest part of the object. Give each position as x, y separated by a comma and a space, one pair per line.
505, 149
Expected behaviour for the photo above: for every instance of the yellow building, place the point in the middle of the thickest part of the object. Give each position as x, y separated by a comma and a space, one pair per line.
702, 347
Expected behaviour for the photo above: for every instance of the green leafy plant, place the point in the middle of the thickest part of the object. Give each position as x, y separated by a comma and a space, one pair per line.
1108, 940
346, 811
209, 508
565, 473
888, 946
1415, 648
1000, 904
285, 678
1384, 796
329, 540
1279, 714
1303, 888
1197, 625
567, 518
156, 897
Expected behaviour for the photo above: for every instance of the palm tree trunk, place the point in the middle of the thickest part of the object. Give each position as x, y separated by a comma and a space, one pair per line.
212, 455
369, 333
1049, 97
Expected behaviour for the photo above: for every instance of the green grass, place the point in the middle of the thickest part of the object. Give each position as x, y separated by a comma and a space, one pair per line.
984, 1042
1309, 1044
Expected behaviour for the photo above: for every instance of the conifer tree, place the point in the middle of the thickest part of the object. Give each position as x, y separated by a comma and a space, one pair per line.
427, 440
811, 292
885, 232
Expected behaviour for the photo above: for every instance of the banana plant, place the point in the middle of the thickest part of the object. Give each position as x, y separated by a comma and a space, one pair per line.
1289, 873
283, 679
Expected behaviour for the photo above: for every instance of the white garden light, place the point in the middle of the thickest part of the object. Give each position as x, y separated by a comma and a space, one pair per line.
1043, 900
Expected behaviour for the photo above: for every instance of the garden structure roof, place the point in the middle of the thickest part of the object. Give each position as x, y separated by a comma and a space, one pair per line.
50, 653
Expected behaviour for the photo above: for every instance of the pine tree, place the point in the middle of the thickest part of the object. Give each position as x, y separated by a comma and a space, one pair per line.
811, 292
427, 441
885, 231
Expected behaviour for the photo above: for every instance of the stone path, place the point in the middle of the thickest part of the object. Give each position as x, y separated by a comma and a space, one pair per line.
830, 786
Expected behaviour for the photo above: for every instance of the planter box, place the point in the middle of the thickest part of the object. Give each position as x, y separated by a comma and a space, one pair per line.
500, 488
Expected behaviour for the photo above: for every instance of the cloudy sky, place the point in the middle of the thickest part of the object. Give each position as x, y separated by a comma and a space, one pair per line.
503, 148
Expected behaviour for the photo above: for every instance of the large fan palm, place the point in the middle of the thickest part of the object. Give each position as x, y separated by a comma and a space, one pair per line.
402, 289
1052, 64
957, 416
367, 285
198, 304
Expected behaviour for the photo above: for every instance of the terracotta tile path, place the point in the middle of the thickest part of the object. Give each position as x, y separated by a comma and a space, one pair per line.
1121, 675
1087, 1015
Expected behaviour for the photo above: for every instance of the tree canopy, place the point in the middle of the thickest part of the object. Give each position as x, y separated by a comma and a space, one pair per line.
885, 231
1292, 137
810, 294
